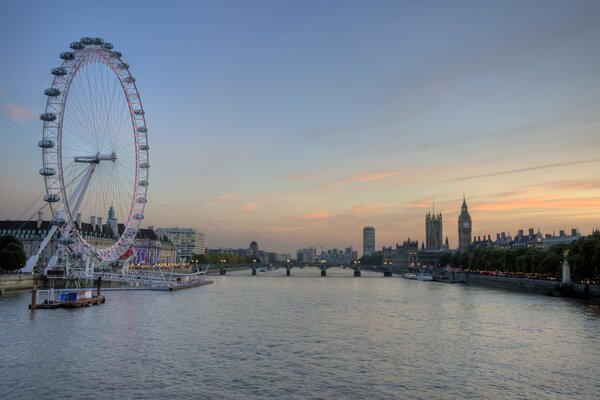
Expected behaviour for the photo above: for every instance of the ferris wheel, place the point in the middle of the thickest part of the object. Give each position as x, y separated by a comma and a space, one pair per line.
95, 152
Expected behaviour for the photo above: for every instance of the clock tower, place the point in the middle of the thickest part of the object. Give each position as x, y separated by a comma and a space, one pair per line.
464, 227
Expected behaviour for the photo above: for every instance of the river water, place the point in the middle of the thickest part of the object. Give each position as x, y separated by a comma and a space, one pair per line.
303, 337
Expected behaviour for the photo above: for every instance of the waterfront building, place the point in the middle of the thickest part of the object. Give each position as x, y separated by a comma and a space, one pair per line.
306, 255
433, 231
405, 255
253, 251
148, 248
368, 240
431, 258
532, 239
465, 227
523, 240
553, 240
338, 256
187, 241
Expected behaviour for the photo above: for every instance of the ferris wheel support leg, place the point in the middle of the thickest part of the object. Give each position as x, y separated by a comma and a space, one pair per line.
35, 257
82, 187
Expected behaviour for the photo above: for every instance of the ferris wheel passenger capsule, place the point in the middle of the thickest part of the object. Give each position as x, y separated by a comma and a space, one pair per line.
144, 165
138, 112
144, 147
58, 71
47, 171
51, 198
67, 55
98, 41
76, 45
123, 66
52, 92
142, 129
117, 53
138, 216
141, 200
46, 144
107, 46
129, 79
48, 116
143, 183
87, 40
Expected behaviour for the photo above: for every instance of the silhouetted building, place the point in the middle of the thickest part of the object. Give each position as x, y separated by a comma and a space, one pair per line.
465, 228
404, 255
433, 231
368, 240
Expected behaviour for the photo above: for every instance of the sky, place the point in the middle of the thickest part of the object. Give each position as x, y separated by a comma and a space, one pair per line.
297, 123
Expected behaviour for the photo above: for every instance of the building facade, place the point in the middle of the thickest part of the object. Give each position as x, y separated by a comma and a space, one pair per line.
404, 256
148, 248
186, 241
368, 240
465, 227
433, 231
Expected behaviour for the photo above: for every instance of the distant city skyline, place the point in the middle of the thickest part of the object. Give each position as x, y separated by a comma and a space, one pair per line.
296, 124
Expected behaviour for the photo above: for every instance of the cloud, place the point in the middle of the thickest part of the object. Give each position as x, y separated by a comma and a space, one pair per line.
223, 198
567, 186
526, 169
364, 209
572, 204
362, 178
249, 207
18, 113
314, 216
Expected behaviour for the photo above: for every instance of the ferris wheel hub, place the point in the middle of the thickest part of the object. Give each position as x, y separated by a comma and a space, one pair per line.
96, 158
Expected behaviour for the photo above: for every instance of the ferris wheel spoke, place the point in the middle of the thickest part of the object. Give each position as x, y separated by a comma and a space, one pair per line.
80, 119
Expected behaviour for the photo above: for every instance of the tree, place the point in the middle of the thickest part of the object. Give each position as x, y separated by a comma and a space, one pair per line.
373, 259
12, 254
445, 259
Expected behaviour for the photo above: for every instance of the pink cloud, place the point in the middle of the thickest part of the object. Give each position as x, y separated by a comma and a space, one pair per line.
249, 207
18, 113
223, 198
362, 178
314, 216
573, 204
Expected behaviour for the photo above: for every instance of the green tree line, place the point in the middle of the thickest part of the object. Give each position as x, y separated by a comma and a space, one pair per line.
583, 257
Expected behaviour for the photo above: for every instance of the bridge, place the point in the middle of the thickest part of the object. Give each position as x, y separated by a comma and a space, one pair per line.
323, 267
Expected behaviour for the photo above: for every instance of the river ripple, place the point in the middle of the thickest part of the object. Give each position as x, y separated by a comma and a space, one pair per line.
303, 337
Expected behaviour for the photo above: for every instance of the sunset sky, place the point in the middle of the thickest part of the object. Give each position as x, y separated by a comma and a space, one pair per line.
297, 123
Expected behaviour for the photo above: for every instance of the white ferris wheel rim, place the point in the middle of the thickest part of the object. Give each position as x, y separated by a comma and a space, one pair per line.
84, 52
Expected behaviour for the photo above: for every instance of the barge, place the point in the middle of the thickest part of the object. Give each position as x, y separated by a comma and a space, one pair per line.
64, 298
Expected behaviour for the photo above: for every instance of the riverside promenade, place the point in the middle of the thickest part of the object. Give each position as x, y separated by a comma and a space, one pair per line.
540, 286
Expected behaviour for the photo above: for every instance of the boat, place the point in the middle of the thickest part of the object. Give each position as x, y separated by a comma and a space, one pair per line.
425, 276
64, 298
409, 275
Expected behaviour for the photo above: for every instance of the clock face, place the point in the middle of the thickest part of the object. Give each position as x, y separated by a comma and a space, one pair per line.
466, 224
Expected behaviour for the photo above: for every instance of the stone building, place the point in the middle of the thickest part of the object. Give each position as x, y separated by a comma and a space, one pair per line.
433, 231
465, 227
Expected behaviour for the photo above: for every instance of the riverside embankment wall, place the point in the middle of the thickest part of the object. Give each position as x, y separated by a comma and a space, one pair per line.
528, 285
18, 281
